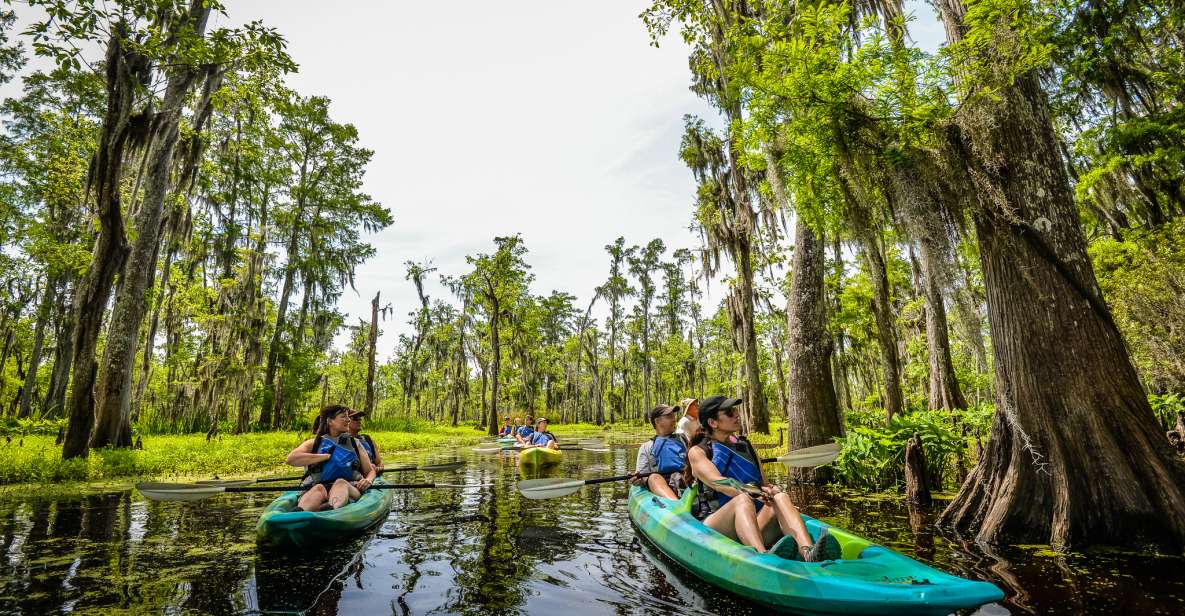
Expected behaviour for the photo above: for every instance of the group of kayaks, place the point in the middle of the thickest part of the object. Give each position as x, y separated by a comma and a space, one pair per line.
867, 579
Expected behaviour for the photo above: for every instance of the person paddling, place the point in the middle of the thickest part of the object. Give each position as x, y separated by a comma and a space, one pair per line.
718, 454
336, 468
367, 443
663, 456
540, 437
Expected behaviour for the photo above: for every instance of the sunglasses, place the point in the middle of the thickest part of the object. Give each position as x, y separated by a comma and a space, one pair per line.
732, 412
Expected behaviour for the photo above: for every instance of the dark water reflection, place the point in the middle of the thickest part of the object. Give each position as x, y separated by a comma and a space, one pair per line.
482, 550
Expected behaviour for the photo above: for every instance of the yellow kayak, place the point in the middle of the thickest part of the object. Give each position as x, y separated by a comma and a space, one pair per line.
539, 456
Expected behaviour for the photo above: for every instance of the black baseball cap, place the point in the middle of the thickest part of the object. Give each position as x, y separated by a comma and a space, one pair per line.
660, 410
711, 407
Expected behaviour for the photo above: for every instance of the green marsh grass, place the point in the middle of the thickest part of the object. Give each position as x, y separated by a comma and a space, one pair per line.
35, 459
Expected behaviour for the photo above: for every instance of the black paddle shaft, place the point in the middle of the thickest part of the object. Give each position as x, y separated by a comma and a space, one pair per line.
378, 472
381, 486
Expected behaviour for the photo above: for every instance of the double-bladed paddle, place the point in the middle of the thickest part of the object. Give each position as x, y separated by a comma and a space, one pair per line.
192, 492
555, 487
430, 468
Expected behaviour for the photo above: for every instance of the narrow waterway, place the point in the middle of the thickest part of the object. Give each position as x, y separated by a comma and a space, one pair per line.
483, 550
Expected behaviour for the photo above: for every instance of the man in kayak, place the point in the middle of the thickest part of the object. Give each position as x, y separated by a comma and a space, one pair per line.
523, 434
663, 457
367, 443
337, 469
720, 454
540, 437
506, 429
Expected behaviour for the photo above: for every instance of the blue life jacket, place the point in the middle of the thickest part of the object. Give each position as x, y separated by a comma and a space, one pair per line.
670, 454
343, 462
540, 438
505, 430
525, 431
734, 465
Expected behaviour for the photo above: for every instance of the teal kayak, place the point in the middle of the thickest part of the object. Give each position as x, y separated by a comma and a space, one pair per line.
868, 579
280, 526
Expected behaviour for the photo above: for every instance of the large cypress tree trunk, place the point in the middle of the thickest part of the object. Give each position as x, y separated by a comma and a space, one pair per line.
1075, 454
813, 410
113, 394
125, 71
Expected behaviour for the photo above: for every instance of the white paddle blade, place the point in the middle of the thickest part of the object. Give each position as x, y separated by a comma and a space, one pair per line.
177, 491
808, 457
553, 487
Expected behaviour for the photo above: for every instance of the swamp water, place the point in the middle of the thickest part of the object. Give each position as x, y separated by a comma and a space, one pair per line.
483, 550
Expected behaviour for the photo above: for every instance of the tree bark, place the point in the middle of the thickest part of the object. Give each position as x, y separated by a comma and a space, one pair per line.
917, 479
373, 342
886, 331
496, 349
125, 71
44, 309
944, 387
273, 350
59, 379
113, 394
1075, 454
813, 413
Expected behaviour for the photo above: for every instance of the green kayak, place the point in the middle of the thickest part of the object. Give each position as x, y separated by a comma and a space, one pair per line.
280, 526
869, 579
539, 456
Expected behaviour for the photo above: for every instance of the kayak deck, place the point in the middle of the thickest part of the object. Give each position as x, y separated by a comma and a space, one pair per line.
280, 526
539, 456
868, 579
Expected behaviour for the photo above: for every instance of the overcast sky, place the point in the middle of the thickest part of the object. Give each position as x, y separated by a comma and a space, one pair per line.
555, 119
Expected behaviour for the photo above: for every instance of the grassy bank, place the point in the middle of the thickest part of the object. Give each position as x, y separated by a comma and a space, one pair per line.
38, 460
35, 458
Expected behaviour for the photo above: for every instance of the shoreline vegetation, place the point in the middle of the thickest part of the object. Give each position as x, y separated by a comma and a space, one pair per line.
34, 459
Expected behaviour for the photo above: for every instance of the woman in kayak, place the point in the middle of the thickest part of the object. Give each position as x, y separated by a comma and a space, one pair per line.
338, 470
688, 425
720, 454
540, 437
505, 431
367, 443
663, 457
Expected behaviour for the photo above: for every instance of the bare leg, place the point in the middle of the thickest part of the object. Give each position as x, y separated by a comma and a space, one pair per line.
789, 519
341, 493
737, 519
659, 486
313, 498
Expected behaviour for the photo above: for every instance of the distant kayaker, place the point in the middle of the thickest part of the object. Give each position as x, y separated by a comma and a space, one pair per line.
540, 437
663, 456
367, 443
337, 468
688, 425
718, 453
506, 429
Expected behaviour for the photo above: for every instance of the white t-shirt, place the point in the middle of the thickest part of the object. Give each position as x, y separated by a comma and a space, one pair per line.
681, 427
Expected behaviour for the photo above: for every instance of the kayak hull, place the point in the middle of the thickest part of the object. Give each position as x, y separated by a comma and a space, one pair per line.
869, 579
280, 526
539, 456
